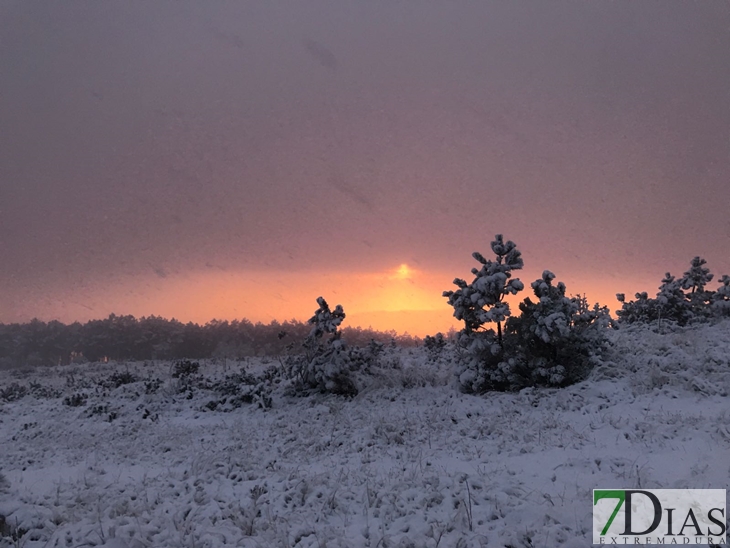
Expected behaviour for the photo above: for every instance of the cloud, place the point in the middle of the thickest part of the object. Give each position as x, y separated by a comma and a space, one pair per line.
320, 53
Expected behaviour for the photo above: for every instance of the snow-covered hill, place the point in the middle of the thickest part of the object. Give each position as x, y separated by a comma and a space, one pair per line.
408, 462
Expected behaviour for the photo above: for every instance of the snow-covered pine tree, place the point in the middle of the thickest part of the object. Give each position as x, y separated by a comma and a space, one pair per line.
481, 301
697, 277
555, 337
672, 303
434, 345
678, 300
721, 297
325, 365
642, 310
553, 311
695, 280
325, 320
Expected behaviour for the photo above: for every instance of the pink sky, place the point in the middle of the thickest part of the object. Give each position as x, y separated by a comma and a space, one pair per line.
238, 159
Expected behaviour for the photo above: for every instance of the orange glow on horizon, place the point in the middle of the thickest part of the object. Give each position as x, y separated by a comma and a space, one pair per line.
402, 298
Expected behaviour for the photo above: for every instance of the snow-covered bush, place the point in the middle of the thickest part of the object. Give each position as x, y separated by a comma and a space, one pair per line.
117, 379
75, 400
557, 338
39, 391
697, 277
721, 298
671, 302
326, 364
641, 310
555, 341
13, 392
185, 368
188, 377
245, 388
552, 342
435, 346
679, 301
479, 362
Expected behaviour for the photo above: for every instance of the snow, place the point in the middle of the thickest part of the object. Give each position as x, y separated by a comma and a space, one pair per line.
409, 462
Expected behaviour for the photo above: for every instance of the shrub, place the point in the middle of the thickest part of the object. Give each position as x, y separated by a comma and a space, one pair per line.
671, 302
695, 280
13, 392
326, 364
151, 386
555, 338
679, 301
118, 379
189, 379
243, 388
721, 298
434, 346
551, 343
101, 409
76, 400
642, 310
43, 392
185, 368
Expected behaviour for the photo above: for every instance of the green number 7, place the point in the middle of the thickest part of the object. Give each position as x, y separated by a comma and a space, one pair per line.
599, 494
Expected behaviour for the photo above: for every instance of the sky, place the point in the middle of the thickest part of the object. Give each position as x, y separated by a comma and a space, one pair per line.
235, 159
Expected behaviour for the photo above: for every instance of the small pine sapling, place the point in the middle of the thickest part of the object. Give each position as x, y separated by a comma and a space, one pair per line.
721, 297
671, 301
481, 301
326, 364
695, 280
556, 336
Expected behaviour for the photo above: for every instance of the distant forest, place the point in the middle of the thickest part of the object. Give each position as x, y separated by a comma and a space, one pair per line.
155, 338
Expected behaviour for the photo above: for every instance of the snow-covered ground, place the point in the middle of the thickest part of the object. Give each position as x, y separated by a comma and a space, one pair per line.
420, 466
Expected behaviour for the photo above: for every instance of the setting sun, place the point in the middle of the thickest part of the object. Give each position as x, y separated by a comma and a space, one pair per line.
404, 272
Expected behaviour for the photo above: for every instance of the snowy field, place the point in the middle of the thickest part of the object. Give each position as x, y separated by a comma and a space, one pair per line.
409, 462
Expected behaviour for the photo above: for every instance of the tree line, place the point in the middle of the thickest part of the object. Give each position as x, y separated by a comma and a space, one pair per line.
155, 338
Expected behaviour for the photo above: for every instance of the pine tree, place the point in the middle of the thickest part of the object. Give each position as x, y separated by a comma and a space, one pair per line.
327, 365
481, 301
695, 280
643, 309
721, 297
325, 320
553, 312
434, 345
697, 277
672, 303
555, 337
553, 341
